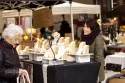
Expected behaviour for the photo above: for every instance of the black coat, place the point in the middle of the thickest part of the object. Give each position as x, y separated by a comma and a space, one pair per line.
9, 63
64, 28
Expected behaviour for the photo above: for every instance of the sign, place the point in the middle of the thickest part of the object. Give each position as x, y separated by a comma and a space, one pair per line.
42, 18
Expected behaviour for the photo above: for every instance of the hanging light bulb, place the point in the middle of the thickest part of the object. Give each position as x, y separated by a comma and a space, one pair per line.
115, 18
25, 37
99, 21
30, 30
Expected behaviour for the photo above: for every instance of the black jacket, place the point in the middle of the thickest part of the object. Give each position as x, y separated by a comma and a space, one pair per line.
9, 62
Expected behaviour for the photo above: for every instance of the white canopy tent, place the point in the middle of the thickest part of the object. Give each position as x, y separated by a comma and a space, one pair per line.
65, 8
75, 8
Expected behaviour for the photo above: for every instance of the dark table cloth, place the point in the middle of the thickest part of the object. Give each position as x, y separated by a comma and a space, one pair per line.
73, 73
66, 73
114, 48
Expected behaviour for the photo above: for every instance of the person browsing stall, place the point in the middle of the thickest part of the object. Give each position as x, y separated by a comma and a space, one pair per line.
10, 67
92, 36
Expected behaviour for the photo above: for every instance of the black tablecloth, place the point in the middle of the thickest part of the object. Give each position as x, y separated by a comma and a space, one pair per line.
116, 47
73, 73
66, 73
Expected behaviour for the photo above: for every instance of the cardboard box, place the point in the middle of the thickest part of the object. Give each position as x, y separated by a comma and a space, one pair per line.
42, 18
25, 43
115, 80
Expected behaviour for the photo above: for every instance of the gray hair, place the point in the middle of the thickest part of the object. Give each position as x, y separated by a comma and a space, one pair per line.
12, 30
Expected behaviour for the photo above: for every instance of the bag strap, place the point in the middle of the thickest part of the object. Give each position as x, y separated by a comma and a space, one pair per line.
28, 79
24, 80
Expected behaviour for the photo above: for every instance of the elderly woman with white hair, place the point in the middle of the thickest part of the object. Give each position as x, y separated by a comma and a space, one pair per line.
9, 59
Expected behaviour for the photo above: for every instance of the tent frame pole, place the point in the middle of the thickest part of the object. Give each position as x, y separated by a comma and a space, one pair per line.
19, 16
100, 16
71, 15
31, 30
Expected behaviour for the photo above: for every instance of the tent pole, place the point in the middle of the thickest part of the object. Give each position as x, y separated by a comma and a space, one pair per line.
112, 6
19, 15
71, 15
31, 30
31, 34
100, 20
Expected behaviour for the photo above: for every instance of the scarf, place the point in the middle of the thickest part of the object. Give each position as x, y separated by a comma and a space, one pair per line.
90, 38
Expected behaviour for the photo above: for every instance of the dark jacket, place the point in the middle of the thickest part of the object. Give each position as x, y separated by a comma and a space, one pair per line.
64, 28
9, 63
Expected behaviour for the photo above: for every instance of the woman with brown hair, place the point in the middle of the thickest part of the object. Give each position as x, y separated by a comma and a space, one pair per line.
92, 36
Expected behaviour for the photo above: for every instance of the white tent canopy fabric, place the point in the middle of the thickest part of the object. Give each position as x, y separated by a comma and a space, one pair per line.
77, 8
15, 13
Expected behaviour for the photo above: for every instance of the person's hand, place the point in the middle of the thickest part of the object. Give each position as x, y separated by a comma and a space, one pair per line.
25, 75
20, 72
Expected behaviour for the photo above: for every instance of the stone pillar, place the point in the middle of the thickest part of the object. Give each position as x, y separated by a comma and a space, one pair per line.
2, 21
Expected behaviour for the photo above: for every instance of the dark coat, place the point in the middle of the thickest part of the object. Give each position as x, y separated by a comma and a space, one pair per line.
64, 28
9, 63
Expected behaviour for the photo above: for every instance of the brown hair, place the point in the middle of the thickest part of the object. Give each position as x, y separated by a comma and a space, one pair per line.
94, 26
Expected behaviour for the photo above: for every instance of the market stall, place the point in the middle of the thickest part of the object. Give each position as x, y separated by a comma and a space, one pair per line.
55, 52
65, 8
19, 5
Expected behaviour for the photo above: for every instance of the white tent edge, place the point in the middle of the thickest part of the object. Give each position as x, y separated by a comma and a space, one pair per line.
77, 8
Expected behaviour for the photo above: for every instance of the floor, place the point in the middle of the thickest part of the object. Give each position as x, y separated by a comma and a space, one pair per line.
108, 74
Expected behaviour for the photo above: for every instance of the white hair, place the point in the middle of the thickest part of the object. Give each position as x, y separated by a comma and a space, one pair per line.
12, 30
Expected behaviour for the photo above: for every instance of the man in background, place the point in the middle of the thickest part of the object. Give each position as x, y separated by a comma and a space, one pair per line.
64, 28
